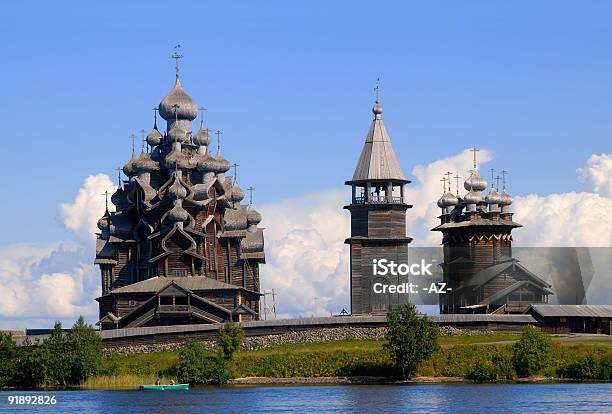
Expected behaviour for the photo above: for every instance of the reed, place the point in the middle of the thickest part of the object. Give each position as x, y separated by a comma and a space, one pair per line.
119, 382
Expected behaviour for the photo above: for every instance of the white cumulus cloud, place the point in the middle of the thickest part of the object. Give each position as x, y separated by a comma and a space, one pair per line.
41, 283
597, 174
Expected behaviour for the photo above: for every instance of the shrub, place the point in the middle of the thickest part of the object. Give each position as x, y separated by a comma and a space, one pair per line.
483, 371
590, 368
196, 365
412, 338
532, 352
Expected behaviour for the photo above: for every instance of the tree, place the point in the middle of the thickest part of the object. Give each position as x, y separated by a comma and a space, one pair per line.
230, 339
8, 356
411, 338
60, 357
532, 352
85, 348
31, 365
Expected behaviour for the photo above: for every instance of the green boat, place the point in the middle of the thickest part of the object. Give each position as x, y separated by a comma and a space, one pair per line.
168, 387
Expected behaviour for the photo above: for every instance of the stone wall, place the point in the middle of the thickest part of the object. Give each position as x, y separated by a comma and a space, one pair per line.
292, 337
263, 341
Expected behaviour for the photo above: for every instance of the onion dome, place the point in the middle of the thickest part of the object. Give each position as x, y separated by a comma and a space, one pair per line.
206, 163
236, 195
177, 191
253, 216
144, 163
504, 199
176, 159
128, 169
475, 182
118, 198
377, 109
473, 197
202, 137
449, 199
154, 138
186, 108
104, 222
178, 213
222, 165
441, 202
493, 197
177, 134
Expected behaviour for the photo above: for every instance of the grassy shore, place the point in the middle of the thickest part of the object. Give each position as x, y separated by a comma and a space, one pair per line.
344, 361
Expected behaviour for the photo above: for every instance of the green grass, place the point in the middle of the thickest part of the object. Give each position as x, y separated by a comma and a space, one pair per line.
452, 340
138, 364
458, 356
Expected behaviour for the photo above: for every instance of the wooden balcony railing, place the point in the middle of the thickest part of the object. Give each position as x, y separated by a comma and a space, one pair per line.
173, 308
374, 199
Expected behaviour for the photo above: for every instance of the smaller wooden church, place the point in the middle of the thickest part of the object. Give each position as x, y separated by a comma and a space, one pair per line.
179, 247
478, 266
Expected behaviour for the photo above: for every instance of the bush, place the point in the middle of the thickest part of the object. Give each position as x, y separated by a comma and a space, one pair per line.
196, 365
483, 371
532, 352
590, 368
412, 338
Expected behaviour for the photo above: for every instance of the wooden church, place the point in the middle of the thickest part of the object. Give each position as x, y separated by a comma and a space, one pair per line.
179, 247
478, 265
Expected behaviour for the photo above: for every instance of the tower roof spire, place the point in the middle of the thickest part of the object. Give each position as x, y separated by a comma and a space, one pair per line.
378, 161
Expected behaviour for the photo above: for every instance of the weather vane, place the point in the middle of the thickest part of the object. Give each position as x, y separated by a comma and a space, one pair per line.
377, 89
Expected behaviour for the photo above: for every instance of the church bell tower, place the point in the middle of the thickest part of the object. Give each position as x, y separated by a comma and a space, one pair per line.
378, 220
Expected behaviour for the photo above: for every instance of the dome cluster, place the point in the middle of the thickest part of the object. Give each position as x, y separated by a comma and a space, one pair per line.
474, 200
176, 174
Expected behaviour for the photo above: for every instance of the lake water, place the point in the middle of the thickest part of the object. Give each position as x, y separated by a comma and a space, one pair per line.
506, 398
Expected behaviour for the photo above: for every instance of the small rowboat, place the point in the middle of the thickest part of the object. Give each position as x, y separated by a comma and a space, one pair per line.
168, 387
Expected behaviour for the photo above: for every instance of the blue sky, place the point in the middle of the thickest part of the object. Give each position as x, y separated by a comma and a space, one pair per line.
291, 86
